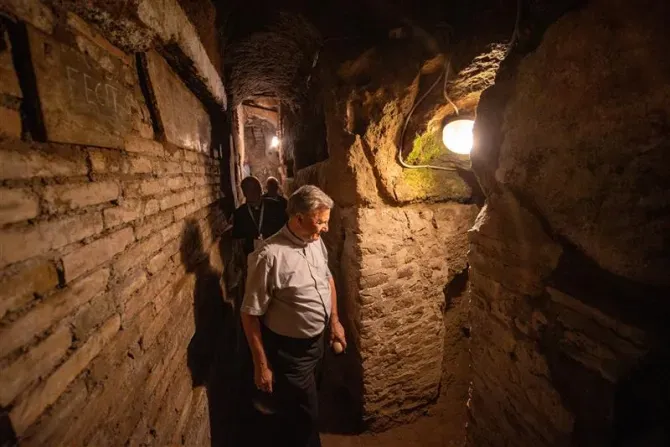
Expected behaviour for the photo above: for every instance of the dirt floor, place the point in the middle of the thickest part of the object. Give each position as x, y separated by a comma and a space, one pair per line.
442, 426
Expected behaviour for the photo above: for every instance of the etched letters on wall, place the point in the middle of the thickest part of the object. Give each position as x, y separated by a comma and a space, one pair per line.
87, 95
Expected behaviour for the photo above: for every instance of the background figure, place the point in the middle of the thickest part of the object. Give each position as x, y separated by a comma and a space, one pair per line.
258, 218
273, 191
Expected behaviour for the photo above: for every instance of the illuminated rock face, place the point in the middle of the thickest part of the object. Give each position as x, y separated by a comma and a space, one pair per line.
569, 256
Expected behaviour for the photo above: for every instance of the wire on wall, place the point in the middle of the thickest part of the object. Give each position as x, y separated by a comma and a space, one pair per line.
409, 116
512, 43
444, 88
515, 35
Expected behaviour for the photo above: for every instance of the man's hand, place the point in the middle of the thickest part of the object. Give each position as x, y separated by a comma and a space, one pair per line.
263, 378
337, 333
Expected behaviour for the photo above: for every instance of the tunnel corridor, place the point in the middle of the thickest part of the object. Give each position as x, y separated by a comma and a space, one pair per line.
507, 288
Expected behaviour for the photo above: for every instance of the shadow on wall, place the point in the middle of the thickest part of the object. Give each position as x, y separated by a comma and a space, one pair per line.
210, 355
634, 409
341, 376
642, 404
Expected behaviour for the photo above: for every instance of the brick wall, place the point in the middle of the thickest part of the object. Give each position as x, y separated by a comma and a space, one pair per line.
398, 240
393, 266
407, 256
108, 235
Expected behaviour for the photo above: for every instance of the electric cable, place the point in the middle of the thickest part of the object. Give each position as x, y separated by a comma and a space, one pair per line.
512, 43
515, 35
404, 128
444, 88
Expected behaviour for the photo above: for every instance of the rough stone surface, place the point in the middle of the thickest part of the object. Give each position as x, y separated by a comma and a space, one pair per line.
51, 310
9, 81
10, 122
401, 297
37, 363
137, 26
28, 410
92, 255
17, 205
72, 196
18, 244
609, 157
510, 257
137, 144
369, 120
128, 211
569, 255
21, 285
87, 96
31, 11
171, 24
182, 116
29, 161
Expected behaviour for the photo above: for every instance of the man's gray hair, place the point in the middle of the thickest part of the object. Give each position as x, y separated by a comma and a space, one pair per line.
306, 199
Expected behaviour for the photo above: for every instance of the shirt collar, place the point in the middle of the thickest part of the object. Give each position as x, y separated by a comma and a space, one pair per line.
293, 237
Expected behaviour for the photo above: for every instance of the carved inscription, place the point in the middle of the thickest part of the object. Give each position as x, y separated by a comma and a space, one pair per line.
85, 100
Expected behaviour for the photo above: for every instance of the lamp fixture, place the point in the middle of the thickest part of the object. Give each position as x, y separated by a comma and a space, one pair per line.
457, 136
275, 142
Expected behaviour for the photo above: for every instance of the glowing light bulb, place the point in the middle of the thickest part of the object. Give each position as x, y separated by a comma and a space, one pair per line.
275, 142
457, 136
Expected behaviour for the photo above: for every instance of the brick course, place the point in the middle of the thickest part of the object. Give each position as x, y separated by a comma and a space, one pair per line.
90, 267
66, 197
18, 244
37, 363
17, 205
50, 311
28, 410
28, 162
92, 255
20, 287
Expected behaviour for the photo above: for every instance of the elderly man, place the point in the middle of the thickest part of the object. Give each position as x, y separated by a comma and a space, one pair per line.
289, 303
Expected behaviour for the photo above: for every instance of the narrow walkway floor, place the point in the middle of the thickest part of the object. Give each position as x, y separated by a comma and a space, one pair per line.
442, 426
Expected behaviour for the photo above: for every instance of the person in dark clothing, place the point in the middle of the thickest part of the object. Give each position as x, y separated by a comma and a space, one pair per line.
256, 220
272, 191
289, 312
259, 217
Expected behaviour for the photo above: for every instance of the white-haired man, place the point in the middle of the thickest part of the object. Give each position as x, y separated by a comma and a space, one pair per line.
289, 302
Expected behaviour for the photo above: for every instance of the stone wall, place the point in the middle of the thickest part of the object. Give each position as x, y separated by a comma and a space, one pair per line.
408, 256
569, 257
109, 211
399, 236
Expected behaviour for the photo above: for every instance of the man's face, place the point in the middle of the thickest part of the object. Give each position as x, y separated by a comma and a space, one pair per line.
252, 192
314, 223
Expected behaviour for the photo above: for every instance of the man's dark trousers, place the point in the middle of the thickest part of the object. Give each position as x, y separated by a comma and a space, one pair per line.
293, 362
